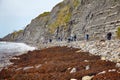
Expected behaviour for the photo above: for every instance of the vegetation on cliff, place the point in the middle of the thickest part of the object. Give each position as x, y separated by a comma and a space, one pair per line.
43, 15
15, 34
118, 32
63, 17
64, 14
75, 3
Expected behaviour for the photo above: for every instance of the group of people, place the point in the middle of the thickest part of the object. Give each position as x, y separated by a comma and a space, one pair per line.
74, 38
108, 36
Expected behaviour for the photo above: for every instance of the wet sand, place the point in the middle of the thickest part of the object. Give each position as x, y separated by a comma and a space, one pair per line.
59, 63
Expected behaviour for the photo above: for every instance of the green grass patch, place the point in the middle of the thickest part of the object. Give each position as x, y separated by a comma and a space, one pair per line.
43, 15
118, 32
63, 17
16, 33
76, 3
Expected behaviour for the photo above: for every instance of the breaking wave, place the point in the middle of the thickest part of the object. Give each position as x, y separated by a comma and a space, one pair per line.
10, 47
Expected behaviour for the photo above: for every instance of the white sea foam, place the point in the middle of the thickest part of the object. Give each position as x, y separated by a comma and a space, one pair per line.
9, 49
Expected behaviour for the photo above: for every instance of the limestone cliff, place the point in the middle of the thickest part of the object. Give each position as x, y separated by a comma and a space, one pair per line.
72, 17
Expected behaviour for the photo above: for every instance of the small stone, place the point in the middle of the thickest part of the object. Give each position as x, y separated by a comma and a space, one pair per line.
78, 51
102, 72
29, 67
112, 70
73, 70
103, 58
87, 67
87, 77
117, 64
68, 68
37, 66
86, 61
118, 60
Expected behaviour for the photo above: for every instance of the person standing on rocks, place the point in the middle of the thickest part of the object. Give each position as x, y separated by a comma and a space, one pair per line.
69, 39
109, 35
87, 37
50, 40
75, 37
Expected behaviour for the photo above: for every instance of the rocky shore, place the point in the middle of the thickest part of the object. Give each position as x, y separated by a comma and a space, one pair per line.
60, 63
78, 60
107, 49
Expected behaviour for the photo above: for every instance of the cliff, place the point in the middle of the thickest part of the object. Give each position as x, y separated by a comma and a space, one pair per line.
72, 17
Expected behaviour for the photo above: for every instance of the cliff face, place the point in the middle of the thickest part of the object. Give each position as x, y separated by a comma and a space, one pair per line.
36, 30
72, 17
96, 17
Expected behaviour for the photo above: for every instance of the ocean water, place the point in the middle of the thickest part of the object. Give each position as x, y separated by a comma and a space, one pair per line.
10, 49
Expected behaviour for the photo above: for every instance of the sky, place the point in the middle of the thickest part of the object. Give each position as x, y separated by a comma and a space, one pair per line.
16, 14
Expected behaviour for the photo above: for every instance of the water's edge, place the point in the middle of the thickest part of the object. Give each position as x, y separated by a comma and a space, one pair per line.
10, 49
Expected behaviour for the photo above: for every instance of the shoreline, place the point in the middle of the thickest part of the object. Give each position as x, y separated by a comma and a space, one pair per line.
93, 48
10, 49
100, 48
61, 63
108, 49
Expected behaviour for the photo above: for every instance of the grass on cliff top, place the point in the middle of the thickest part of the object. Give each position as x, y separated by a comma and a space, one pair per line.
16, 33
75, 3
60, 4
43, 15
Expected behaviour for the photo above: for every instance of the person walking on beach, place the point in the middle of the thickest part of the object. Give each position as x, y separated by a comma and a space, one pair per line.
75, 37
69, 39
109, 35
87, 37
50, 40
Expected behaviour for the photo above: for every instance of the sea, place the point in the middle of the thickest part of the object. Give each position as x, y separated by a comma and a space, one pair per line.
10, 49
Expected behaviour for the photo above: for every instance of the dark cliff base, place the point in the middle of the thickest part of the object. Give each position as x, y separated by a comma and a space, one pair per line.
1, 39
56, 64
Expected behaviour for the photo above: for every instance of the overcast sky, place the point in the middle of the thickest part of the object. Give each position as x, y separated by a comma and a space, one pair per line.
16, 14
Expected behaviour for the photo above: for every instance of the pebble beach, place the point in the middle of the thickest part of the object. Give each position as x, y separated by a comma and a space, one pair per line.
79, 60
